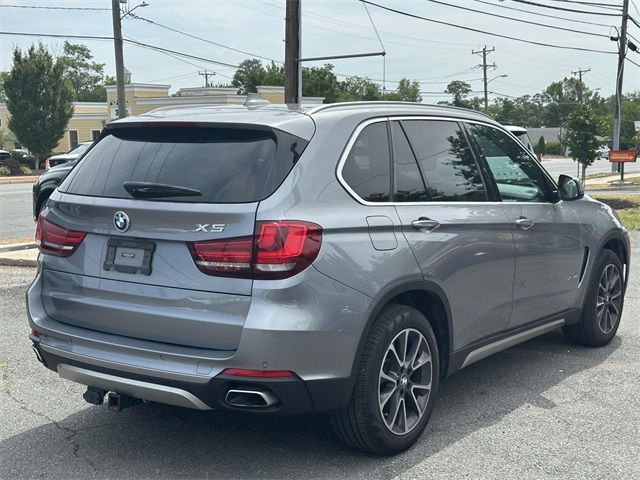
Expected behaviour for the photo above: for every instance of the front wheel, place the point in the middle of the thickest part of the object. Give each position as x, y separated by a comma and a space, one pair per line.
396, 386
603, 305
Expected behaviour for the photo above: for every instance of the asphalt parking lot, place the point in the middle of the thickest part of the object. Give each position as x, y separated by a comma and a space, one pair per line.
544, 409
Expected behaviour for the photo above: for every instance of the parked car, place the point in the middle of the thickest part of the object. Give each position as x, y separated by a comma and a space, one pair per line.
603, 152
344, 258
8, 161
47, 183
521, 134
24, 155
4, 156
74, 154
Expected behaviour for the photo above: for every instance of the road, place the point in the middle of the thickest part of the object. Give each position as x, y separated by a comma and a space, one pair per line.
569, 167
541, 410
16, 219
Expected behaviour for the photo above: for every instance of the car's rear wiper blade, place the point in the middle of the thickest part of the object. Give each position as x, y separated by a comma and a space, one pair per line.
158, 190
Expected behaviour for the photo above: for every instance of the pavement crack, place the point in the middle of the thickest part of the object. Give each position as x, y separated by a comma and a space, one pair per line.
69, 434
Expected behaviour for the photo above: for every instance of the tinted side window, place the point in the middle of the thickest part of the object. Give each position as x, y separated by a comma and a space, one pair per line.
450, 171
409, 185
518, 177
367, 168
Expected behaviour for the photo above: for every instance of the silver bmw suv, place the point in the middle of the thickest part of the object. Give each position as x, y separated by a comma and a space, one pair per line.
340, 259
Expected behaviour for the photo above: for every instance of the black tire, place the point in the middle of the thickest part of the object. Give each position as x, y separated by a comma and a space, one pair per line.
588, 330
361, 424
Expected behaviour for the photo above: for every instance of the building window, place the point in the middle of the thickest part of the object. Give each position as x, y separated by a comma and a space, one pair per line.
73, 139
94, 134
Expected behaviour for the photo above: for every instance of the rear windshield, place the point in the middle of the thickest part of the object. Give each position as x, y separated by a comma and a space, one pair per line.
227, 165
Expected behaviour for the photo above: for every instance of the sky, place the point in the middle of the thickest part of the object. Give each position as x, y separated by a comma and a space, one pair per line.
431, 53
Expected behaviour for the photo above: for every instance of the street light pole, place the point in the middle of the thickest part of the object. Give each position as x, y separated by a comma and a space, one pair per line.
117, 43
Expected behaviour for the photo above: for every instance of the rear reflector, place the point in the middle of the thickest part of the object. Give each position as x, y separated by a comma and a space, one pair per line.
241, 372
279, 249
55, 240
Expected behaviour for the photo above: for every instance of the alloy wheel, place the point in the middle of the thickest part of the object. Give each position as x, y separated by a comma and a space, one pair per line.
404, 386
609, 301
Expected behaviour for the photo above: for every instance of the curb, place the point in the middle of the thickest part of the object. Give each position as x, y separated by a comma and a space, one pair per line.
17, 262
19, 179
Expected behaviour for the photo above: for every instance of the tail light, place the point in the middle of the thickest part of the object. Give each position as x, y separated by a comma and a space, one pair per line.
46, 164
55, 240
278, 249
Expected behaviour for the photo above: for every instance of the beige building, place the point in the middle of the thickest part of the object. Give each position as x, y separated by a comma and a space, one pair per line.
90, 117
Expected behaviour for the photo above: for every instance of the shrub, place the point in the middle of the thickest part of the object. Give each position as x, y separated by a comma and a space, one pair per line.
553, 147
24, 170
4, 171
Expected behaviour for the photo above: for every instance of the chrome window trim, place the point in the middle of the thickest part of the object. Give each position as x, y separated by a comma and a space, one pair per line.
387, 118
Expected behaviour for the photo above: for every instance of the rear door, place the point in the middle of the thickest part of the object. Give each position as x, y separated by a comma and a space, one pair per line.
549, 252
461, 239
134, 273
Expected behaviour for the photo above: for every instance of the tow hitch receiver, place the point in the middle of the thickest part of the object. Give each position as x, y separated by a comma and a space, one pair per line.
95, 396
118, 402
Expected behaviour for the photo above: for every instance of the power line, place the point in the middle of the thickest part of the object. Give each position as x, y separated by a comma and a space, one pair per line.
244, 52
55, 8
440, 22
131, 41
590, 4
631, 61
535, 4
384, 56
520, 20
546, 15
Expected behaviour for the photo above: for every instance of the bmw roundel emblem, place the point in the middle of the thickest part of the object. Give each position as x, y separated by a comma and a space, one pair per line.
121, 221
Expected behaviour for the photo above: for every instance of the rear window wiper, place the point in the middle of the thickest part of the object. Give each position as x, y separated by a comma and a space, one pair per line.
158, 190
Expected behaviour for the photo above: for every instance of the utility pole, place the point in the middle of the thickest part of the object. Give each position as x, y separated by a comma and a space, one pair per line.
117, 42
292, 70
580, 84
622, 51
206, 74
484, 52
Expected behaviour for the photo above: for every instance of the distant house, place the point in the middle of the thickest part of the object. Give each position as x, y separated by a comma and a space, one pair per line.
90, 117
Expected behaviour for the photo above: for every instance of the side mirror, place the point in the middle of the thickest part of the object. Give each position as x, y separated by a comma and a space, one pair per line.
570, 188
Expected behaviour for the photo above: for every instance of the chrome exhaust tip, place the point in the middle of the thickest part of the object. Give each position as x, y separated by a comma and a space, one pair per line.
254, 398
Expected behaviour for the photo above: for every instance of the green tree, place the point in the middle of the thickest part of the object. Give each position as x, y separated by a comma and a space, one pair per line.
87, 76
407, 91
583, 128
3, 77
39, 99
7, 139
320, 82
542, 147
249, 75
460, 91
358, 88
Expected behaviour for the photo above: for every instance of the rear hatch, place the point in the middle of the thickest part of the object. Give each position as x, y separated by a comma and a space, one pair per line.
123, 230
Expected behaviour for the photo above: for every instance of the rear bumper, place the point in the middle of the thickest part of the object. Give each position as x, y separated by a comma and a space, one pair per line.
293, 395
315, 336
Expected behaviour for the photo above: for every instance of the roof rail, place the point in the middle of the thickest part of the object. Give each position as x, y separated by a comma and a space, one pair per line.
328, 106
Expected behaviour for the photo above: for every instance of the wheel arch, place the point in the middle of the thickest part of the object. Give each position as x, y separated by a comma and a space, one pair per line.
430, 300
619, 244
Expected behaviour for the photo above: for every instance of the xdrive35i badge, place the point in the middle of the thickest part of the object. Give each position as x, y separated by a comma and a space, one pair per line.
121, 221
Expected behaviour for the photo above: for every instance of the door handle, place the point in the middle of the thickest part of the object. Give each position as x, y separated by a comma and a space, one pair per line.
424, 223
524, 223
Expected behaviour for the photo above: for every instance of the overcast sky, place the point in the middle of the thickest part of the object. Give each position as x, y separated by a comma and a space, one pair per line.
433, 54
